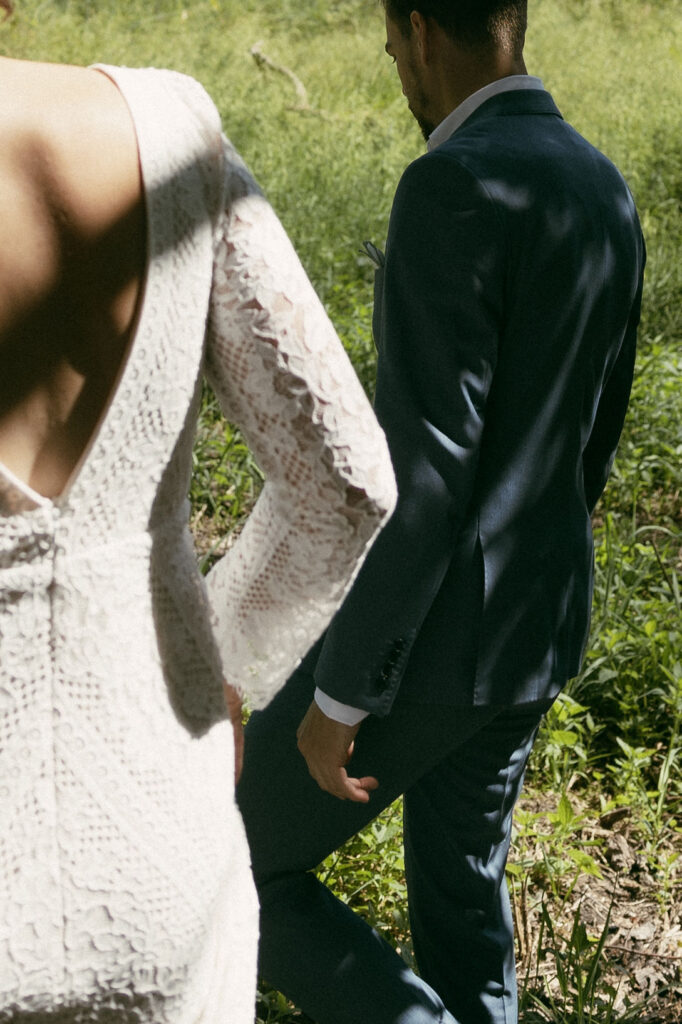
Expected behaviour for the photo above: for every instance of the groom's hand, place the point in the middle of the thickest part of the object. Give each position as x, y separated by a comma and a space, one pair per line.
327, 747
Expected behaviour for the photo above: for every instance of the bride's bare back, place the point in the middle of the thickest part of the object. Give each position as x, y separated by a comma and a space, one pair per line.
72, 257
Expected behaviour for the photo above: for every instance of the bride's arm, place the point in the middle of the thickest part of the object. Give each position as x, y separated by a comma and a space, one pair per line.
281, 373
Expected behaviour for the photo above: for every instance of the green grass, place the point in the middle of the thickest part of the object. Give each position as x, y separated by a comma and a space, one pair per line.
611, 746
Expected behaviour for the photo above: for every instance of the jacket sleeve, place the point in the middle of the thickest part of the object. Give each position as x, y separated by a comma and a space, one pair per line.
280, 372
438, 341
600, 449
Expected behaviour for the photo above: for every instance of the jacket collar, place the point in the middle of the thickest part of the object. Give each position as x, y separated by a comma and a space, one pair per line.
515, 100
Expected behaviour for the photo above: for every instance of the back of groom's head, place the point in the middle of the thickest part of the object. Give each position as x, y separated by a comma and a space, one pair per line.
473, 24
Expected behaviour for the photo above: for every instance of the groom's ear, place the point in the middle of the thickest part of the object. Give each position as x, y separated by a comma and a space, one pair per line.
421, 31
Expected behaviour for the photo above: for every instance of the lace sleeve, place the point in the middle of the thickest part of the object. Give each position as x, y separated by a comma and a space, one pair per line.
281, 373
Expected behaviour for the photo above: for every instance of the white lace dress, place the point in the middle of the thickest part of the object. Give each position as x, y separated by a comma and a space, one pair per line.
125, 891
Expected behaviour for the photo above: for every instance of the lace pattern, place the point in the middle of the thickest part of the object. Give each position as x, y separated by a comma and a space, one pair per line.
314, 434
125, 891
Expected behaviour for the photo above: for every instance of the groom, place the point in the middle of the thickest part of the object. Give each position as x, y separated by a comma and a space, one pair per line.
505, 320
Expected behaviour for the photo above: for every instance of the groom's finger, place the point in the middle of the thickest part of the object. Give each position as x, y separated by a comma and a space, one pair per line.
357, 790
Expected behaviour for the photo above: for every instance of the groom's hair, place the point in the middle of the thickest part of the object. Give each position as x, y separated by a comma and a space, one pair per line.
474, 24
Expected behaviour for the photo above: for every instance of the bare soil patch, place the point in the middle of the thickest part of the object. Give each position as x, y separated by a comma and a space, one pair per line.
640, 908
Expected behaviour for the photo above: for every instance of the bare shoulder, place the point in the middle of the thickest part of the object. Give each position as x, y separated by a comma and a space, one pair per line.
69, 171
67, 132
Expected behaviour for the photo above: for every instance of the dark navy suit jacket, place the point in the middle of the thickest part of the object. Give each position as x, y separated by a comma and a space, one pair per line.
505, 322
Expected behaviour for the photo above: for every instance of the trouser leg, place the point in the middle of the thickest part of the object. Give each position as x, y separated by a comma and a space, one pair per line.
332, 965
313, 948
458, 820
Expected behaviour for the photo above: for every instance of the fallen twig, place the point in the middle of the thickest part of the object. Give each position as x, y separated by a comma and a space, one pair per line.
262, 60
649, 956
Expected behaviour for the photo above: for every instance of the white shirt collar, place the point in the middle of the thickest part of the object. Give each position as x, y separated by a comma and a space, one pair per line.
459, 115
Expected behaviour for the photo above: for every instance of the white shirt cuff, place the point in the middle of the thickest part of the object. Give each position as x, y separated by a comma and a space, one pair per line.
337, 711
